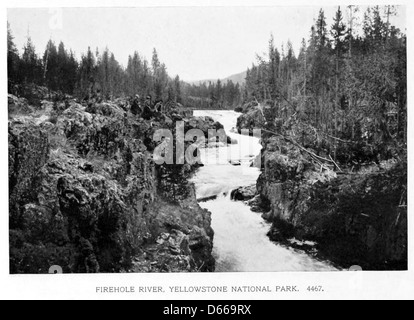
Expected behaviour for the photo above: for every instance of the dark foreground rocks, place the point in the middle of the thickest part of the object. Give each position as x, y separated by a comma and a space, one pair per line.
356, 219
85, 194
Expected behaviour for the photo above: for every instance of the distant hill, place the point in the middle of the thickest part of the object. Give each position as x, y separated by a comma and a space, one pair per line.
239, 78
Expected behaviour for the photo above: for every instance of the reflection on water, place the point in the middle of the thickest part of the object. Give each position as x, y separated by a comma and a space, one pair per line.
241, 243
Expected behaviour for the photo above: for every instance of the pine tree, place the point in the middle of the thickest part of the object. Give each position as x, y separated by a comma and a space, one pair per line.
31, 66
12, 59
378, 27
71, 74
87, 73
177, 89
146, 78
155, 62
389, 12
160, 83
117, 77
135, 75
50, 61
311, 54
219, 93
62, 68
274, 57
160, 77
303, 61
103, 73
291, 69
321, 66
375, 29
338, 33
322, 31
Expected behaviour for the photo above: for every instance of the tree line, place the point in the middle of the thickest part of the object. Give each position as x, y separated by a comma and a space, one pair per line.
349, 80
213, 95
59, 70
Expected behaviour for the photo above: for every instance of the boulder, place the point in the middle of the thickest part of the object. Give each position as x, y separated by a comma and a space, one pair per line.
18, 105
244, 193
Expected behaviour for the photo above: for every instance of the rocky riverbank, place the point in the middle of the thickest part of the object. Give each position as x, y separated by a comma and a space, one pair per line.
350, 217
85, 193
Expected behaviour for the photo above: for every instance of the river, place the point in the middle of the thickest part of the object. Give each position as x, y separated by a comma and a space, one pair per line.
241, 243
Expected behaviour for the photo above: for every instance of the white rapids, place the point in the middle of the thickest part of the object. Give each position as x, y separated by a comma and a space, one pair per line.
241, 243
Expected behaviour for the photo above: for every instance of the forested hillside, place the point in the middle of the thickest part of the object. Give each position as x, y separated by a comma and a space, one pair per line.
213, 95
216, 94
100, 71
59, 70
347, 86
334, 123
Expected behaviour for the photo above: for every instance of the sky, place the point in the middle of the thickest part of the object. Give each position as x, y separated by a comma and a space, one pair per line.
195, 43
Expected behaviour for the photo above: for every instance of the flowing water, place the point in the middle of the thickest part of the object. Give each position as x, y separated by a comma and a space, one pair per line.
241, 243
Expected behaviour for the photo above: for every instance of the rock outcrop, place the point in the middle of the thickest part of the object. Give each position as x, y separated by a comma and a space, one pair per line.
85, 194
18, 105
244, 193
355, 218
254, 116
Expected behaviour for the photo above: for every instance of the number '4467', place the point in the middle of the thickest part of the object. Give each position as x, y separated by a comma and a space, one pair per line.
315, 289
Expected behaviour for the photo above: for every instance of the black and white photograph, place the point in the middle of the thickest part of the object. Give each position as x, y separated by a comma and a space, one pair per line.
207, 139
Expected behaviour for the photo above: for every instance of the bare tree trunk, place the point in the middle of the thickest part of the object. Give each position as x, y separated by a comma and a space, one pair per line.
306, 68
46, 62
351, 23
336, 94
322, 107
388, 24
